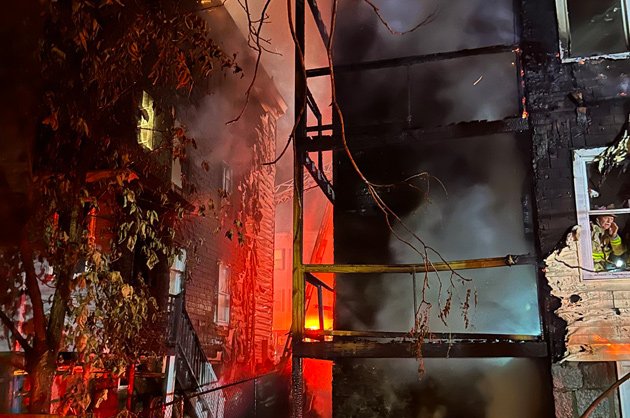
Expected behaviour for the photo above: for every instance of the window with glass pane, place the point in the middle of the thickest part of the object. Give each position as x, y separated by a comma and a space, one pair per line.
603, 209
223, 298
593, 28
146, 122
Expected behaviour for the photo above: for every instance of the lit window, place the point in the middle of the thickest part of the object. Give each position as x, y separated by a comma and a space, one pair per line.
593, 29
146, 122
223, 299
603, 213
226, 182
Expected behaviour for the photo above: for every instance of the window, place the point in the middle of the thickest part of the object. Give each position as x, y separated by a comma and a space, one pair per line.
278, 258
603, 213
591, 29
178, 269
223, 298
226, 178
146, 123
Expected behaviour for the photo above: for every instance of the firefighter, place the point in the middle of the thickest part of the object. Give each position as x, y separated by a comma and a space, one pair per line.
606, 242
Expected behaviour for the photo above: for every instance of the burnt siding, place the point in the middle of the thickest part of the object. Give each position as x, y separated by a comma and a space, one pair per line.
556, 124
558, 127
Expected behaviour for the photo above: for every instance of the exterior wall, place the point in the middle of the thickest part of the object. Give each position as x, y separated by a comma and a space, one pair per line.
588, 316
246, 341
597, 312
576, 385
560, 125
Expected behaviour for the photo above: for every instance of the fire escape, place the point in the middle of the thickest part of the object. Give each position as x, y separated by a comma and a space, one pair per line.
318, 138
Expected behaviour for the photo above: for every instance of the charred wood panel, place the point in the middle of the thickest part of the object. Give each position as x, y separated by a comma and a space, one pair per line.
372, 349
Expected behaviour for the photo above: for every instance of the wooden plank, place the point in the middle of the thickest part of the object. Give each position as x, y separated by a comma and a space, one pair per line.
406, 349
433, 336
420, 268
411, 60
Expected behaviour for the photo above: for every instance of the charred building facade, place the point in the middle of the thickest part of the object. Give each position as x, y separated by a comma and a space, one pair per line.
465, 150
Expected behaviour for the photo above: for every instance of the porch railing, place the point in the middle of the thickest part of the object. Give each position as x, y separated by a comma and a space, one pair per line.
193, 371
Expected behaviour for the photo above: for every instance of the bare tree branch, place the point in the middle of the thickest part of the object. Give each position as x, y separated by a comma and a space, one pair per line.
604, 395
391, 30
32, 288
255, 33
14, 331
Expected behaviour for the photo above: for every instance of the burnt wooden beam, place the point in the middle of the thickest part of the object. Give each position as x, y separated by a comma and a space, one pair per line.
319, 143
509, 260
410, 60
368, 136
430, 337
316, 282
319, 21
326, 350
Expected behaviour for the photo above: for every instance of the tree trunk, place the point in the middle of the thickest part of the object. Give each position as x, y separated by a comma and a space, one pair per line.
41, 370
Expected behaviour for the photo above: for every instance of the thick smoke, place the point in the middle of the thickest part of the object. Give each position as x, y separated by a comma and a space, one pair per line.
480, 215
449, 388
475, 210
456, 25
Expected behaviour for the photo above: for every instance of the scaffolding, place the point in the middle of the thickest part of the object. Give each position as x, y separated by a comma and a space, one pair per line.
318, 138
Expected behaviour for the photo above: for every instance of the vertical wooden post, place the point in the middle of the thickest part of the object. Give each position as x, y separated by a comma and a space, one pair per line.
297, 328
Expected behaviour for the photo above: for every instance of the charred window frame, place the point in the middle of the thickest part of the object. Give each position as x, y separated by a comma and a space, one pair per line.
584, 211
222, 312
571, 40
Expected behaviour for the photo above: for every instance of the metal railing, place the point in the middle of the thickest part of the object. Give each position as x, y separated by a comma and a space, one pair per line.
193, 371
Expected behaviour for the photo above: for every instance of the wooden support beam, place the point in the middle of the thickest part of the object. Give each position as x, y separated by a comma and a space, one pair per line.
367, 136
319, 143
411, 60
319, 21
407, 349
509, 260
433, 336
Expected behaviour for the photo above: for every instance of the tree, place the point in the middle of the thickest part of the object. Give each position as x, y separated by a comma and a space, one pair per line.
83, 81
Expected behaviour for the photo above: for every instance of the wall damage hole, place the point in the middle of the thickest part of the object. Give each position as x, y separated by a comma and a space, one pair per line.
575, 298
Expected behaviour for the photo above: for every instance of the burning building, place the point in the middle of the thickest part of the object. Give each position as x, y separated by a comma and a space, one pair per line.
215, 299
470, 138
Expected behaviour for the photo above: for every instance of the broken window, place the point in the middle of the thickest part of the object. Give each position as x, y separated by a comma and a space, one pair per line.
593, 28
222, 313
146, 122
603, 212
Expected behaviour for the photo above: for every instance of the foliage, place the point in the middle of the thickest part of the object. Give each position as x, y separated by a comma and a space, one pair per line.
96, 59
